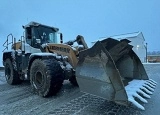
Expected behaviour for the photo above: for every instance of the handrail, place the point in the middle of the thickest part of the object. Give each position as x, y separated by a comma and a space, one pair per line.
6, 42
22, 40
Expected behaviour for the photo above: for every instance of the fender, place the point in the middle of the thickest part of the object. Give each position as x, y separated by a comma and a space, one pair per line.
12, 56
43, 55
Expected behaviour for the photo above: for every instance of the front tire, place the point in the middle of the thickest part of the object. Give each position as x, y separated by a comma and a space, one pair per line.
73, 80
12, 76
46, 77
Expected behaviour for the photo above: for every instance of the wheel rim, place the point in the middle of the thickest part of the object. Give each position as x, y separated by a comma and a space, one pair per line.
38, 80
8, 72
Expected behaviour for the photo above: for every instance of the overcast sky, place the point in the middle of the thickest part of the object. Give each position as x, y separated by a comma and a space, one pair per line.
91, 18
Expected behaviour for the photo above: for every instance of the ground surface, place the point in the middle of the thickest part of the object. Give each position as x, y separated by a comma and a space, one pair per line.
19, 99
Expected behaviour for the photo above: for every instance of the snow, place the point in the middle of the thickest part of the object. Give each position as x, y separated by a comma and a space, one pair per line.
43, 54
68, 66
8, 50
14, 60
151, 63
143, 87
44, 45
1, 82
58, 57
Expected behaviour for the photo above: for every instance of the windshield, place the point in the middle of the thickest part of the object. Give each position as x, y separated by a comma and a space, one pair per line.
46, 35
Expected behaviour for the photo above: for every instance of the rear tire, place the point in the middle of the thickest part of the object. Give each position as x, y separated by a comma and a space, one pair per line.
46, 77
12, 76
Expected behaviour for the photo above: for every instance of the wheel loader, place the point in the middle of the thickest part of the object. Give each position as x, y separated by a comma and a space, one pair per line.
109, 69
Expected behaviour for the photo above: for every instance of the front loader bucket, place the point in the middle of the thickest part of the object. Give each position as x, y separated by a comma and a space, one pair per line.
111, 70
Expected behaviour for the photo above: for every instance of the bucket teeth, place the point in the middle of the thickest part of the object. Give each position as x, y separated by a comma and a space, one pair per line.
146, 90
148, 87
152, 86
140, 89
143, 93
151, 82
136, 103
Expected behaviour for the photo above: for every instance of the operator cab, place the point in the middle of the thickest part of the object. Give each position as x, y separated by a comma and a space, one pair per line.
37, 34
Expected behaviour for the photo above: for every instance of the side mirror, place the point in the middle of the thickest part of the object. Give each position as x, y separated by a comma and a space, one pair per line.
38, 41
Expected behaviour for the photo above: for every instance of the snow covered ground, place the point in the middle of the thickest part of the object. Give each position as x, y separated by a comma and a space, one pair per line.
151, 63
19, 100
